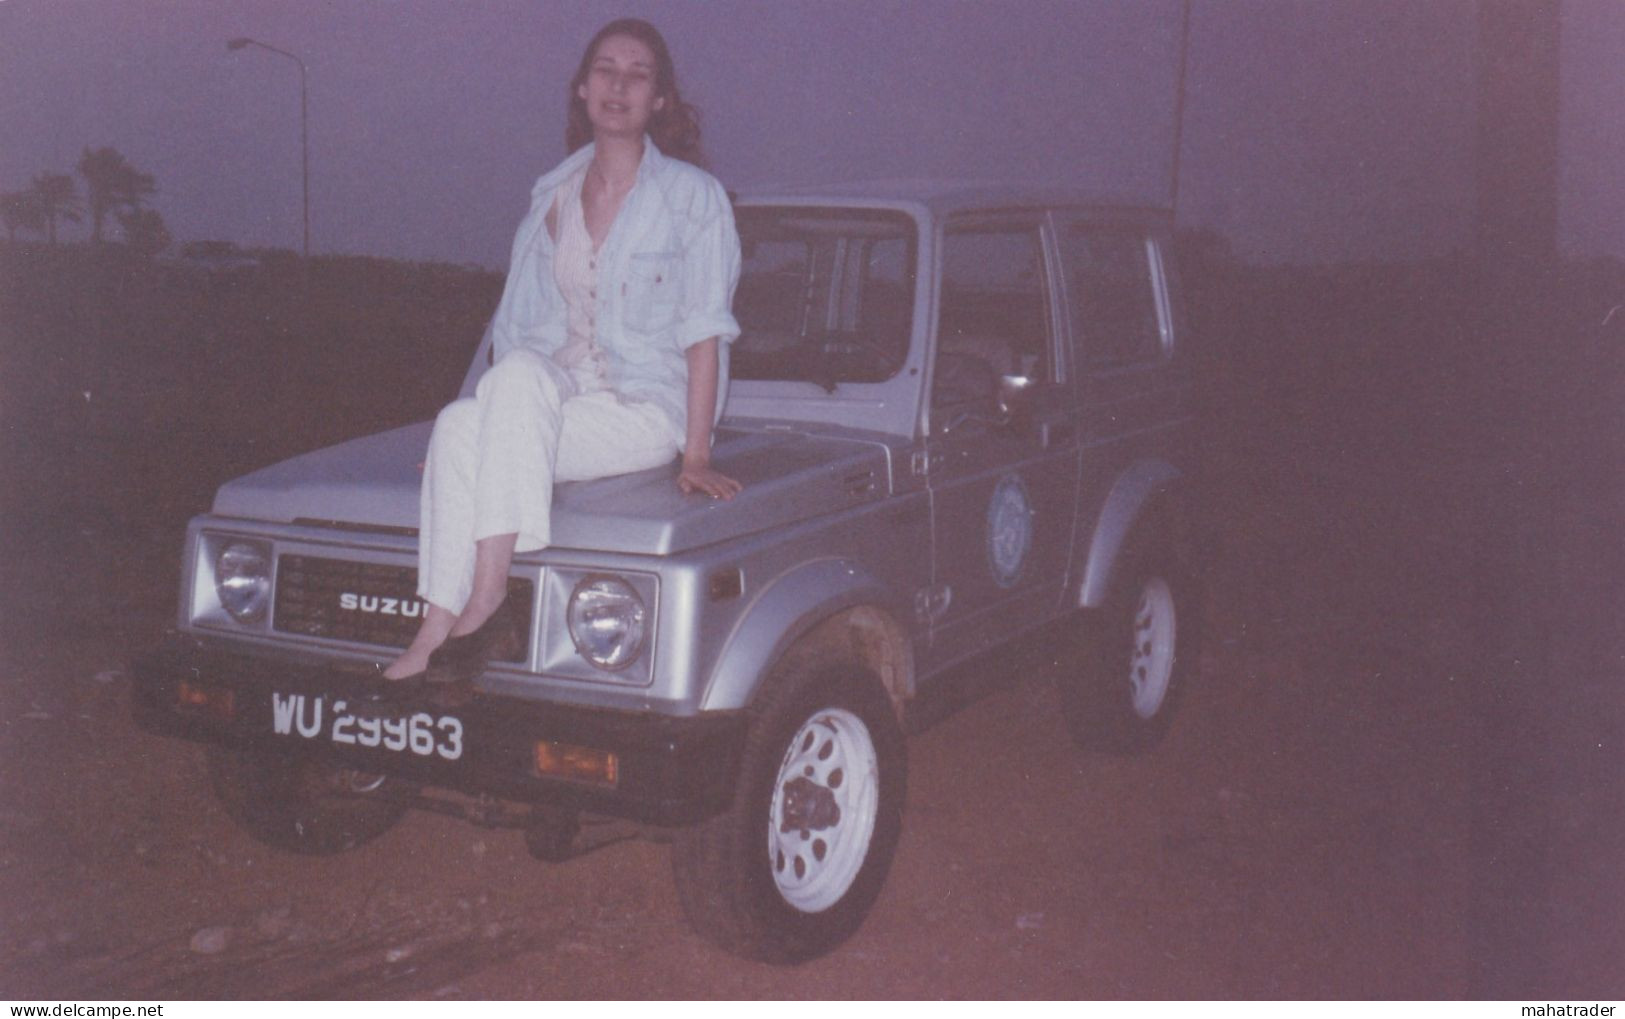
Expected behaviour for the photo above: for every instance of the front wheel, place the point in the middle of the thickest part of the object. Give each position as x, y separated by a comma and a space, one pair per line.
1137, 655
792, 869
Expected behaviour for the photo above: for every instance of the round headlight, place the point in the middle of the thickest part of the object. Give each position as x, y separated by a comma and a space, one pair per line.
607, 622
242, 578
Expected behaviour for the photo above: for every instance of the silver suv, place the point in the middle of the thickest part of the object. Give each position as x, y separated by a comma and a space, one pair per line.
959, 415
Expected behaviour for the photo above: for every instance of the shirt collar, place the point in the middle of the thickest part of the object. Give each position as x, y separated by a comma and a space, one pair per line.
653, 159
651, 164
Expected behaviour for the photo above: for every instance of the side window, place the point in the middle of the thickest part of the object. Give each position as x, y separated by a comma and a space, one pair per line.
1113, 296
992, 320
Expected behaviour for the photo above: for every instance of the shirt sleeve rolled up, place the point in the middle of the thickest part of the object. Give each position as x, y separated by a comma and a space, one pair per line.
710, 274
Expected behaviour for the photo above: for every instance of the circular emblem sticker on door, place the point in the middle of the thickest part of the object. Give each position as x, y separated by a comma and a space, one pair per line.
1009, 530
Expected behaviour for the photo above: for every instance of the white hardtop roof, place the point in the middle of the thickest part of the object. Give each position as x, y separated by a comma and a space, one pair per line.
946, 197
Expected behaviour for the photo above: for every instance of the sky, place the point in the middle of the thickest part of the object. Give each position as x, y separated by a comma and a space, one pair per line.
1313, 131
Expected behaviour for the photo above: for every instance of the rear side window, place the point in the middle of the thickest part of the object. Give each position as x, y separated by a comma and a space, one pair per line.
1111, 287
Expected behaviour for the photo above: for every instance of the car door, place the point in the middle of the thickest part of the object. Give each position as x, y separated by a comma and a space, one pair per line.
1134, 373
1003, 485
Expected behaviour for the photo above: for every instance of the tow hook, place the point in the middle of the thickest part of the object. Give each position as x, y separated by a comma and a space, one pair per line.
550, 834
554, 834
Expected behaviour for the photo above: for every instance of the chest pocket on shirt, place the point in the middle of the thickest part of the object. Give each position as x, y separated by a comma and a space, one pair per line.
650, 293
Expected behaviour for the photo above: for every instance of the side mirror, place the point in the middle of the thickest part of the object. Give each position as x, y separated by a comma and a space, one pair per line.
1013, 390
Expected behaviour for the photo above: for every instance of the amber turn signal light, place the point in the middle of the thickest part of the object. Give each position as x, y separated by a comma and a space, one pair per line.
579, 764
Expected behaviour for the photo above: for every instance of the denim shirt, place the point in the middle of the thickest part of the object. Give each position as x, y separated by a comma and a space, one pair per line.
666, 278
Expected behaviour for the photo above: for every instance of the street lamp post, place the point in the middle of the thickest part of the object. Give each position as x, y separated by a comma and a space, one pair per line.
304, 136
1179, 105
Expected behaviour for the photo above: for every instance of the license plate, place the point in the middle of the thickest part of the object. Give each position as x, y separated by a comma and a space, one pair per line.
313, 717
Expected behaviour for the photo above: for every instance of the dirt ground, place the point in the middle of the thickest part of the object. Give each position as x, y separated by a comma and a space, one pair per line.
1399, 775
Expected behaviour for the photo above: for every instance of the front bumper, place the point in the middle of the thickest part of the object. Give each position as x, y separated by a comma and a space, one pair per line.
670, 770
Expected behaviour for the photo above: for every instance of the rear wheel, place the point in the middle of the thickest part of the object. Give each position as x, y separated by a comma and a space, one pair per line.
792, 869
1137, 654
302, 806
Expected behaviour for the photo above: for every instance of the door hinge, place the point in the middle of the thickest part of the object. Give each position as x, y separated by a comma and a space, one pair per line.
921, 461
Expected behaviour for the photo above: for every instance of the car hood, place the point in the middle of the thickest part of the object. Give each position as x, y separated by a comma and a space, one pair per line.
787, 476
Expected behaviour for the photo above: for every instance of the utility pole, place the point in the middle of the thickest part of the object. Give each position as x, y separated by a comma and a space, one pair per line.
1179, 105
304, 119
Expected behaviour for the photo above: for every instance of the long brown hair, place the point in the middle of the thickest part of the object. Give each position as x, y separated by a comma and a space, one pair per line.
675, 127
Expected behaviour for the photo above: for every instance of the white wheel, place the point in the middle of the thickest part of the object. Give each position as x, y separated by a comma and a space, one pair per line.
825, 799
1151, 665
1136, 653
793, 867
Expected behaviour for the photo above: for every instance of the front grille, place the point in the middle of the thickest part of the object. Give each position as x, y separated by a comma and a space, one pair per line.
365, 603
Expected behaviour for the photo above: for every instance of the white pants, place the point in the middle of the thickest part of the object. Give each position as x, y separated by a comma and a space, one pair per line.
493, 460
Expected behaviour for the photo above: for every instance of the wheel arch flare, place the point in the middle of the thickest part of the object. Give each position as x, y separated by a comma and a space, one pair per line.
1125, 506
829, 607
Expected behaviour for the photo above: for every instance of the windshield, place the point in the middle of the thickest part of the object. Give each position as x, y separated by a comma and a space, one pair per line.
825, 295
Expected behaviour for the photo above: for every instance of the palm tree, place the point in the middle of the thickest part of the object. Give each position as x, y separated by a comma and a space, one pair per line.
112, 183
21, 211
58, 198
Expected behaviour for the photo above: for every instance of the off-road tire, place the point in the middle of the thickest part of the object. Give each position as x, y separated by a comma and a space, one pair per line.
739, 875
1129, 672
